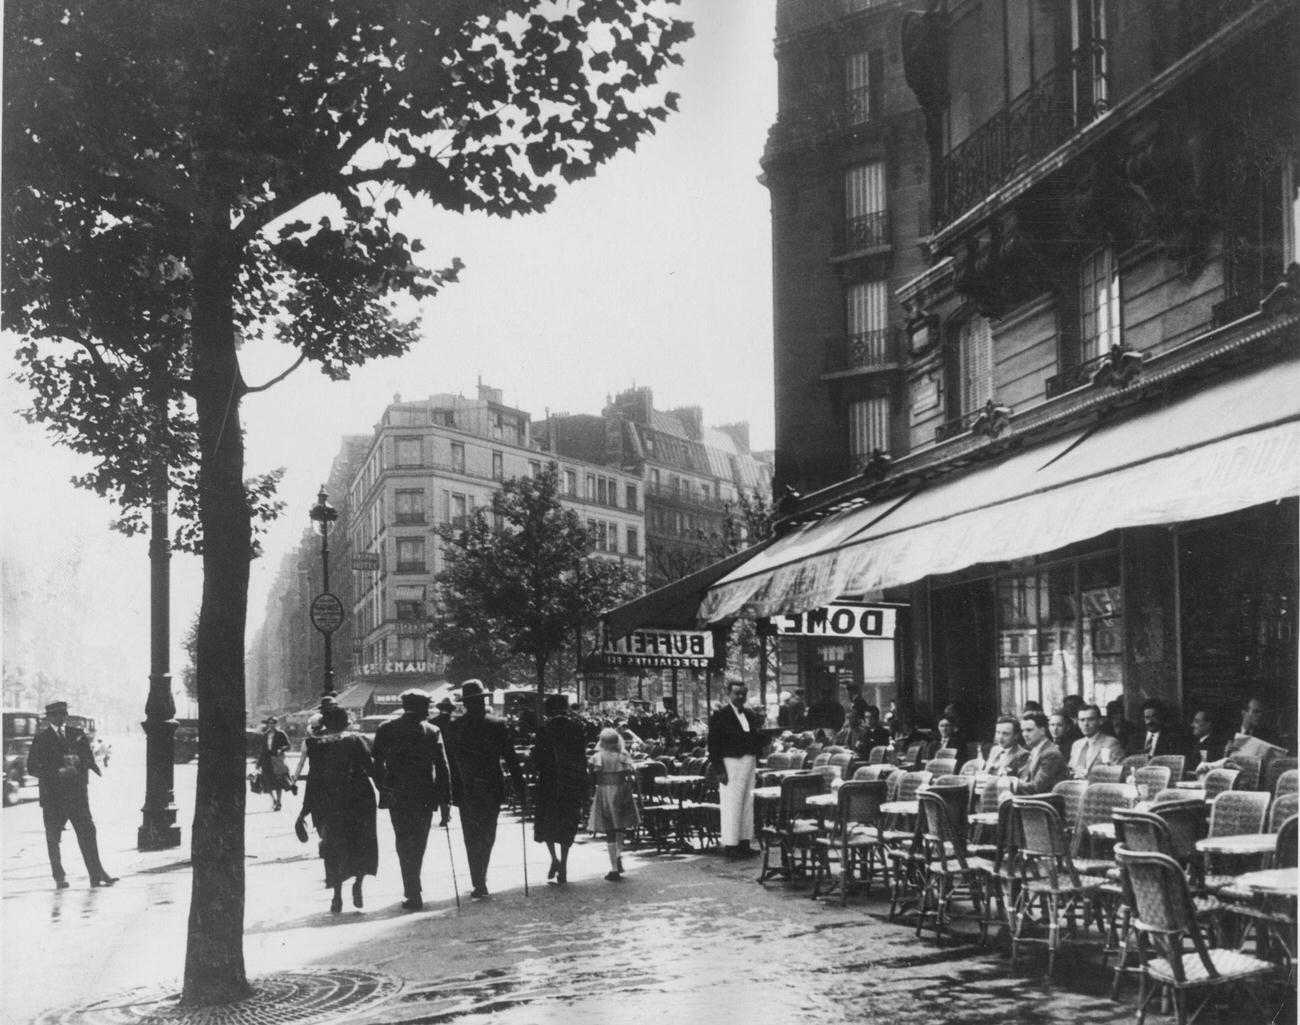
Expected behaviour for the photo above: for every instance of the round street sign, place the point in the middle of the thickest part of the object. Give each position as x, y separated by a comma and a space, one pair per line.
326, 612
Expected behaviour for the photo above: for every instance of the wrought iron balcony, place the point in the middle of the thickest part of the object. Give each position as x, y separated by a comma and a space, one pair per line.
1076, 377
870, 231
1043, 117
857, 106
865, 352
989, 419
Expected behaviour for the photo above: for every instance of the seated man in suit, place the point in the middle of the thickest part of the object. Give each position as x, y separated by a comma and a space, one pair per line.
1094, 747
1207, 741
1045, 766
1008, 756
1159, 736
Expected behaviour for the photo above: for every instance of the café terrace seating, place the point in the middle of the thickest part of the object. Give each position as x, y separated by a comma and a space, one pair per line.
853, 842
941, 839
1176, 764
790, 835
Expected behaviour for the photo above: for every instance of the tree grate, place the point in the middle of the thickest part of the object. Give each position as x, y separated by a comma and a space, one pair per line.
284, 997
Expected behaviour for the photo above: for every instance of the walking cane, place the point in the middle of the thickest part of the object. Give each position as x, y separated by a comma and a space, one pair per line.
451, 860
523, 839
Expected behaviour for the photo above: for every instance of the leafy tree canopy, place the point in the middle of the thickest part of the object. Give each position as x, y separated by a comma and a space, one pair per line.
520, 581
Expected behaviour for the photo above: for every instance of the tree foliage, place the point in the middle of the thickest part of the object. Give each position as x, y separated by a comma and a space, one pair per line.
183, 179
520, 582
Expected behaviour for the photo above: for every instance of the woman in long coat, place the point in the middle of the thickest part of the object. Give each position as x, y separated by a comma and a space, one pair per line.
560, 793
340, 799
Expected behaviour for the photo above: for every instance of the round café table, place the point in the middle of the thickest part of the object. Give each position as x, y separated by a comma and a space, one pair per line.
679, 787
1238, 843
1275, 882
901, 808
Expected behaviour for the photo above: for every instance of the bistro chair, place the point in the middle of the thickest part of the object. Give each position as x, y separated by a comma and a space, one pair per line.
1173, 795
1071, 792
911, 758
1165, 923
834, 768
1176, 764
1273, 916
1218, 780
1049, 880
1185, 820
1249, 771
854, 841
947, 873
792, 832
908, 783
1150, 780
878, 754
1099, 801
1274, 769
1232, 813
1287, 782
871, 773
797, 757
971, 767
1001, 870
941, 766
1132, 763
1283, 808
1100, 773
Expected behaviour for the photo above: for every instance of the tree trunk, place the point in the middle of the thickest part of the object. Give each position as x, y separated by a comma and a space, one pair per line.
214, 955
540, 662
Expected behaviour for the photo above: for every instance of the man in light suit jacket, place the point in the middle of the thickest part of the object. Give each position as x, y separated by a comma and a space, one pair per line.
1045, 766
1095, 747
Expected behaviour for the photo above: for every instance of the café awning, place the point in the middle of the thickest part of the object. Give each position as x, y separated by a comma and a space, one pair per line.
1230, 446
674, 605
355, 697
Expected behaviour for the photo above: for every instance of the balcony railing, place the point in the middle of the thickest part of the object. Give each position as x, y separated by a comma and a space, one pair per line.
411, 567
866, 351
1042, 118
870, 231
857, 106
407, 519
1075, 377
662, 493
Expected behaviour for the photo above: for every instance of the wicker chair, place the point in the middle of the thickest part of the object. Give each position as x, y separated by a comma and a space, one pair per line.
854, 840
1217, 781
791, 834
1150, 780
1165, 921
908, 783
1274, 770
878, 754
1131, 763
1105, 773
1231, 813
1099, 801
941, 766
1176, 764
971, 767
1049, 880
1071, 792
1249, 772
1283, 808
1287, 782
947, 872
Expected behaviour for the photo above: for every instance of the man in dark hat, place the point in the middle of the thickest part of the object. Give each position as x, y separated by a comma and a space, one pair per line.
61, 757
414, 778
479, 743
443, 719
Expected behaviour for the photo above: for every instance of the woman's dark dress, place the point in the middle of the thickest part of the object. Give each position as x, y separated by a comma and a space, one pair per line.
341, 802
560, 796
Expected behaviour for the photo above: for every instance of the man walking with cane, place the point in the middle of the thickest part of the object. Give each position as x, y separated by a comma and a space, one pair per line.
414, 778
479, 744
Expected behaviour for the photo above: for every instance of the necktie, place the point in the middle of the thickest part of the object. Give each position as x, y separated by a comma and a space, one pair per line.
1151, 743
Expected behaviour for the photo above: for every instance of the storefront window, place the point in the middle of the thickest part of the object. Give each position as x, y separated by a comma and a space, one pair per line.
1060, 631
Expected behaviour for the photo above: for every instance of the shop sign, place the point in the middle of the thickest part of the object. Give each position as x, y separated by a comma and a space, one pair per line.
388, 668
841, 620
680, 649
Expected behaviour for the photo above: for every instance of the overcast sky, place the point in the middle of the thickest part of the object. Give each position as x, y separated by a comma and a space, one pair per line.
657, 273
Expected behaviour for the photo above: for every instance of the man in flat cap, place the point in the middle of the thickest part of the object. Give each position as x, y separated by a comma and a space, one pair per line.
61, 757
479, 744
414, 778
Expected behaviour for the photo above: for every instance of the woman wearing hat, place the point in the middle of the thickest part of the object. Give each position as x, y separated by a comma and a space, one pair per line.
271, 763
340, 799
560, 794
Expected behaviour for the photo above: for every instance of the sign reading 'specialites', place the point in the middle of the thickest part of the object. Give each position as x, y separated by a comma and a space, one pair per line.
681, 649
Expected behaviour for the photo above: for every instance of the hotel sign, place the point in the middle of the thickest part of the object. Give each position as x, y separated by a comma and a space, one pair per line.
660, 649
841, 621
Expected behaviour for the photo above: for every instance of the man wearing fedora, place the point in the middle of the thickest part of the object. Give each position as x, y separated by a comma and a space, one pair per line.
443, 719
414, 778
479, 743
62, 759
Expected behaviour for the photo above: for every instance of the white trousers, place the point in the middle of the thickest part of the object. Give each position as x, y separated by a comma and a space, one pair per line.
736, 798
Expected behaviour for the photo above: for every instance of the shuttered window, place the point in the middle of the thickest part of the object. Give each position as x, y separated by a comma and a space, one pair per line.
975, 364
862, 75
868, 428
1099, 308
864, 206
867, 319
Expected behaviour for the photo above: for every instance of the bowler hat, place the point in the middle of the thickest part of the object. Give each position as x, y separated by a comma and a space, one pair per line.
446, 705
414, 698
56, 706
472, 689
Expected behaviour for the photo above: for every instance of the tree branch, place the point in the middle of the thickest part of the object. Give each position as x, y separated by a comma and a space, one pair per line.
250, 389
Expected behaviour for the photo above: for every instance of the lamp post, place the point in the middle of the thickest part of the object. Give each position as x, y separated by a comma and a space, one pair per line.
326, 609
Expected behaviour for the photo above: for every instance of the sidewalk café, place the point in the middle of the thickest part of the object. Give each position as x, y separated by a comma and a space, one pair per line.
1149, 554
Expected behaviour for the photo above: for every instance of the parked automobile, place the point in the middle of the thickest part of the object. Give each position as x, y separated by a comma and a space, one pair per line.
20, 727
185, 744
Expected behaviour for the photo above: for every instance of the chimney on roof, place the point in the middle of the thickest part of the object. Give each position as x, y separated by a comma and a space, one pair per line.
692, 420
487, 394
738, 432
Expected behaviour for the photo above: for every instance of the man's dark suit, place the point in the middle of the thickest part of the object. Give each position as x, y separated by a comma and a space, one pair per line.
414, 778
63, 767
1169, 741
478, 744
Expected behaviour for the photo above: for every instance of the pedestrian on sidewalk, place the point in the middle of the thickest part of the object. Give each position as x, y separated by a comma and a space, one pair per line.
60, 756
271, 764
479, 744
614, 808
341, 802
560, 791
413, 777
735, 742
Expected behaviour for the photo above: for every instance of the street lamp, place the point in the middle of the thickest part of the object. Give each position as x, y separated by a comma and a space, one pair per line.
326, 609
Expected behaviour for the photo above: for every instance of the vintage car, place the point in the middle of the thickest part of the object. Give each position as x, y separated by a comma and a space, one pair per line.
20, 727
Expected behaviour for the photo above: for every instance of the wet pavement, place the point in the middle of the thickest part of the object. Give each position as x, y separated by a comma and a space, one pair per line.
682, 937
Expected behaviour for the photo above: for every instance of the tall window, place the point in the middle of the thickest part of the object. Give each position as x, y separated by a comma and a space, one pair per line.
571, 483
410, 506
410, 601
861, 75
408, 451
534, 468
459, 510
633, 542
410, 555
410, 649
974, 365
498, 466
865, 224
1099, 306
867, 320
631, 497
1089, 38
868, 428
457, 457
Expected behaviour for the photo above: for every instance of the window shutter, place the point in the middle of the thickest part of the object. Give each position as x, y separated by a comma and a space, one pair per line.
876, 82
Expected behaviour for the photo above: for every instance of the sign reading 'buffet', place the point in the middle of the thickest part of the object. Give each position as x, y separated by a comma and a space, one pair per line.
681, 649
841, 620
